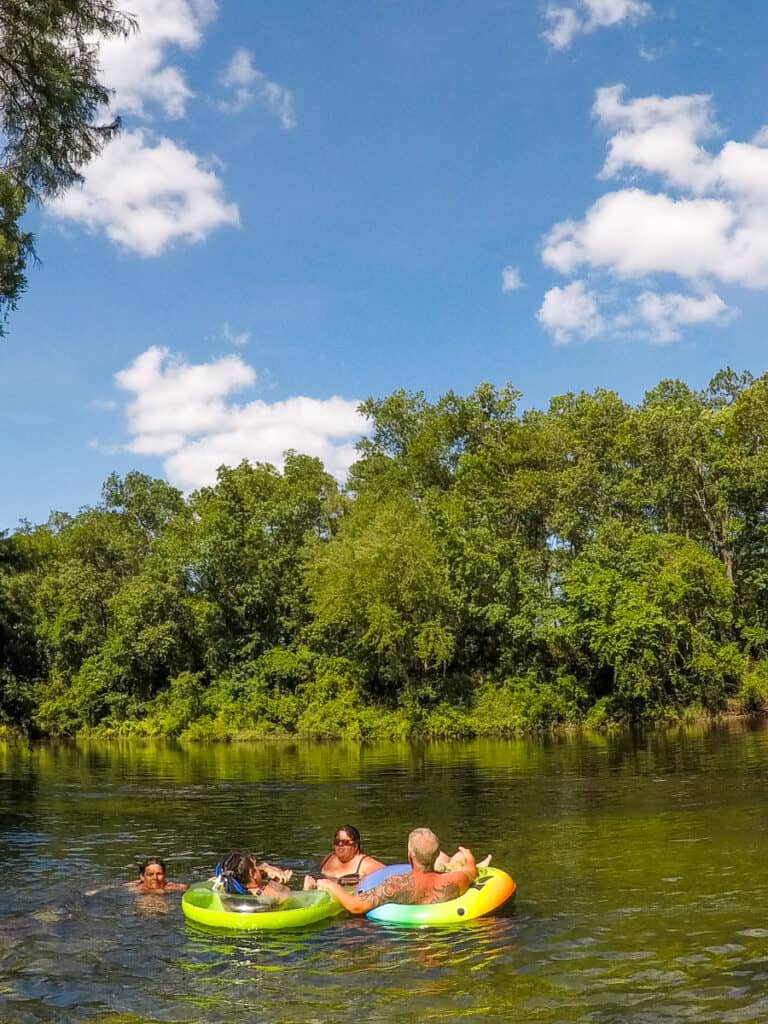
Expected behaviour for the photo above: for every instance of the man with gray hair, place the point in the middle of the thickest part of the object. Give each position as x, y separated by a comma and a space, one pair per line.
423, 848
420, 886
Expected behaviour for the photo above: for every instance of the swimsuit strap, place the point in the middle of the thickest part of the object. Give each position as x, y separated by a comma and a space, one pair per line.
352, 877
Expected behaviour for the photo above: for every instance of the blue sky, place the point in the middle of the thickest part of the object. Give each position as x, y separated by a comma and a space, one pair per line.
311, 203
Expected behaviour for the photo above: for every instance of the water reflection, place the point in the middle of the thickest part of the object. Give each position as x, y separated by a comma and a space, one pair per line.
643, 891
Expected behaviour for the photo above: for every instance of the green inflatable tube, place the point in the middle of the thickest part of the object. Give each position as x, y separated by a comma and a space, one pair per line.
203, 905
490, 889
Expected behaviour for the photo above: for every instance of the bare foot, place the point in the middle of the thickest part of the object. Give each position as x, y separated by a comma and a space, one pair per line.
309, 882
485, 861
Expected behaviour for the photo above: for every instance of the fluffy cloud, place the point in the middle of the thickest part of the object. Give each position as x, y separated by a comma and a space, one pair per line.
578, 312
247, 85
510, 279
571, 311
146, 196
185, 414
664, 315
704, 218
136, 67
658, 135
146, 193
585, 16
632, 233
718, 229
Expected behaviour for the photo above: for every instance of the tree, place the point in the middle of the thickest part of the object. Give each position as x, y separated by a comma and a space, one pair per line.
381, 595
245, 550
21, 658
426, 443
646, 620
50, 99
109, 602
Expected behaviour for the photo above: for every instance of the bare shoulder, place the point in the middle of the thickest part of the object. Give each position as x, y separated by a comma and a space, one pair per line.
175, 887
448, 887
368, 865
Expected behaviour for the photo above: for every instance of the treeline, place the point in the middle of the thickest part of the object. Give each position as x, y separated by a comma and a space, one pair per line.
483, 571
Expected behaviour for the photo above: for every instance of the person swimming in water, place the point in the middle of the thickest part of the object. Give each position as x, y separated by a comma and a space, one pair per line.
346, 863
152, 878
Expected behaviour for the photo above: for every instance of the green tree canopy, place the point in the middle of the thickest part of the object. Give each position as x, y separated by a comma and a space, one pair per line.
484, 570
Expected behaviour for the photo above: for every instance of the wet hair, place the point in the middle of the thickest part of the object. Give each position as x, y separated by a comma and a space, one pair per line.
352, 832
151, 860
235, 870
423, 847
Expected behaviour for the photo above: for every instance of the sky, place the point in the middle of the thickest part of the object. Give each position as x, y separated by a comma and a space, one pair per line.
312, 203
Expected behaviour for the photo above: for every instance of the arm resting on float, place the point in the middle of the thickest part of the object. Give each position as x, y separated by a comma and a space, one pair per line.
351, 901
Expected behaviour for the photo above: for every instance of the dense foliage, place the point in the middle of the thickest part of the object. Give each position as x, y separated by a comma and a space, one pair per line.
485, 570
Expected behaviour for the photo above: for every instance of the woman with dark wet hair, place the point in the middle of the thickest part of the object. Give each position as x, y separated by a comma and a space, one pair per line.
346, 863
152, 878
239, 873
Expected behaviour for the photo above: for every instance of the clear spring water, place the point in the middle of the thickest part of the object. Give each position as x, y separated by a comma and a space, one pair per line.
640, 861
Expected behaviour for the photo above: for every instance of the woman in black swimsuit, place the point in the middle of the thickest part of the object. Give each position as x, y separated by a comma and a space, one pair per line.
347, 864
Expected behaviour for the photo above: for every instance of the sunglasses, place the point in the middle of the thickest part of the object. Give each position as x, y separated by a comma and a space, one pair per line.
343, 842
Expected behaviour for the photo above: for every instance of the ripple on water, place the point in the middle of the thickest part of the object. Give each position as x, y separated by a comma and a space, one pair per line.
643, 895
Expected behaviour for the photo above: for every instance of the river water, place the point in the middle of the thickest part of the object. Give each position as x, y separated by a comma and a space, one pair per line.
640, 861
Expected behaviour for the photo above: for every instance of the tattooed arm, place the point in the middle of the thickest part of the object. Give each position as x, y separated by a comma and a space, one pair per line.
414, 888
395, 889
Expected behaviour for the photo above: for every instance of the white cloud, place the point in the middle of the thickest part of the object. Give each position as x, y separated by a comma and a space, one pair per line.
715, 226
576, 312
136, 67
585, 16
703, 219
146, 196
247, 84
571, 311
174, 400
664, 315
657, 135
236, 338
510, 279
240, 71
606, 13
564, 24
184, 413
632, 233
147, 192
